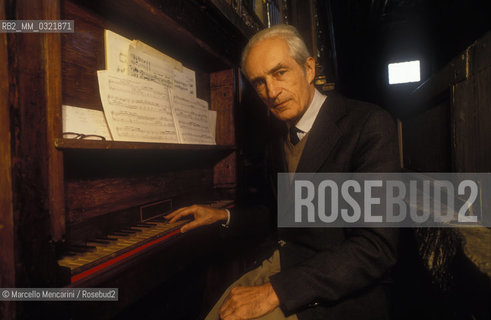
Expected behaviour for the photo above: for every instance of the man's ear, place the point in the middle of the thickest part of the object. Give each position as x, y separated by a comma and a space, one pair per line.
310, 69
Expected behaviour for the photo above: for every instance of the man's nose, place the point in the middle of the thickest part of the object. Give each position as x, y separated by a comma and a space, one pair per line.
272, 89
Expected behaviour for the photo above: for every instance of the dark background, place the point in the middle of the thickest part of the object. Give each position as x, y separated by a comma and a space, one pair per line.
370, 34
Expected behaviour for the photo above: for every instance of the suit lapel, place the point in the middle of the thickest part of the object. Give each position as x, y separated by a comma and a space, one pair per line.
323, 136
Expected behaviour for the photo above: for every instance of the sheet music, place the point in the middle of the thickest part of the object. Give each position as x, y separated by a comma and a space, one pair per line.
212, 117
84, 121
136, 110
148, 67
202, 103
192, 120
185, 81
116, 49
143, 47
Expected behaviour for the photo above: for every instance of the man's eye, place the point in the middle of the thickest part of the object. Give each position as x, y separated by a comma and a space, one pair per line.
280, 73
258, 83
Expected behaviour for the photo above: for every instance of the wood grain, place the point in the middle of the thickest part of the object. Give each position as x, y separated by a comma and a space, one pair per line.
52, 57
225, 172
34, 97
471, 100
222, 99
7, 260
90, 197
82, 56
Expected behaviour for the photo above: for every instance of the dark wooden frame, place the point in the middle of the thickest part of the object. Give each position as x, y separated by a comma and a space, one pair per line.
7, 262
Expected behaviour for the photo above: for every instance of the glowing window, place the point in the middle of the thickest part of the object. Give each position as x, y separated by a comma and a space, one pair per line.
404, 72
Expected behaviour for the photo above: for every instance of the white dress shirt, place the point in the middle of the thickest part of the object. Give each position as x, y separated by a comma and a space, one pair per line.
307, 120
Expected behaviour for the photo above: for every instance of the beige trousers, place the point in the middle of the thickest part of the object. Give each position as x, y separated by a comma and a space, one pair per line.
255, 277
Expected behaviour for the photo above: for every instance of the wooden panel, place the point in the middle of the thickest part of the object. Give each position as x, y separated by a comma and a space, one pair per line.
7, 262
465, 133
472, 110
87, 198
101, 181
35, 99
472, 133
226, 172
203, 85
483, 82
52, 58
82, 56
480, 57
222, 100
222, 90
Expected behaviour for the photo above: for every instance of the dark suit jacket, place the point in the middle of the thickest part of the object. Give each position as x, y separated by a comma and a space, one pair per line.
329, 273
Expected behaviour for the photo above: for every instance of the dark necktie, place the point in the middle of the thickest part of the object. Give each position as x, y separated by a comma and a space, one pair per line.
294, 135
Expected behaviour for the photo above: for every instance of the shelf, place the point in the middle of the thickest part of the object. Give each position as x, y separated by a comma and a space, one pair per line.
84, 158
77, 144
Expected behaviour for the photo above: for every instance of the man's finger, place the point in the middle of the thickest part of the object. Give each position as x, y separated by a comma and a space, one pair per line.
230, 305
232, 312
231, 316
226, 312
191, 225
224, 306
183, 213
173, 213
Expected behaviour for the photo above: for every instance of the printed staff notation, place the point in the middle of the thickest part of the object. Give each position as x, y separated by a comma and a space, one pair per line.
132, 88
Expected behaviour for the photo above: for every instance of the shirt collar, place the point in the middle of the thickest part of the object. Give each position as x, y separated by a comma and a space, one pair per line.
307, 120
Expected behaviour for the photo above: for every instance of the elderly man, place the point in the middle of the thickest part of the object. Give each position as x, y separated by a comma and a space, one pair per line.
316, 273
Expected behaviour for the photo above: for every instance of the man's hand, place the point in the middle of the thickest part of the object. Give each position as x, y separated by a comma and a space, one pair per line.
249, 302
202, 216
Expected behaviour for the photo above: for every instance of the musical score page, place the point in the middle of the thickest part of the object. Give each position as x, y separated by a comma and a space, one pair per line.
192, 120
148, 67
84, 121
143, 47
116, 52
212, 117
185, 81
136, 110
202, 103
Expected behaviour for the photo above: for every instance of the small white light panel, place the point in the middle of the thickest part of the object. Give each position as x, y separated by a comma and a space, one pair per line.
404, 72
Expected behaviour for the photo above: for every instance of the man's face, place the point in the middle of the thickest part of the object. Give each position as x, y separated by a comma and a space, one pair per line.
279, 80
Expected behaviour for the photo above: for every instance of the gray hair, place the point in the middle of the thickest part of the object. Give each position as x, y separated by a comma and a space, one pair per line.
298, 49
